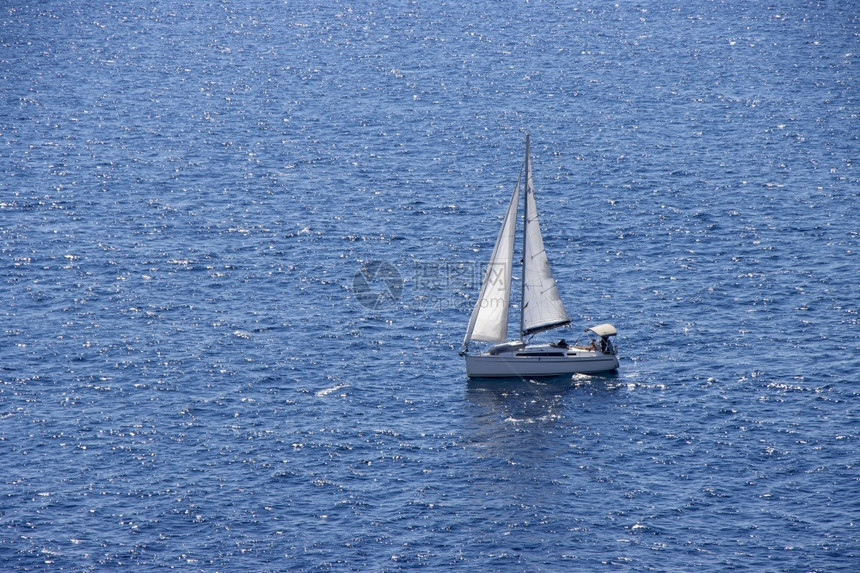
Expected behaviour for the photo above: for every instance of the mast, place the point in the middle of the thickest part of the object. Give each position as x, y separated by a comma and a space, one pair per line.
525, 235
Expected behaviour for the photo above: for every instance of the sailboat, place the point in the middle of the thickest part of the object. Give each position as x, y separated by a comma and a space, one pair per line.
541, 308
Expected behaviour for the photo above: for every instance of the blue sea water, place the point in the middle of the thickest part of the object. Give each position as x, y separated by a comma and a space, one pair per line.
240, 242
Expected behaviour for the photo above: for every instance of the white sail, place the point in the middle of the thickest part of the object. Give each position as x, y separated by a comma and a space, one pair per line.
542, 308
489, 321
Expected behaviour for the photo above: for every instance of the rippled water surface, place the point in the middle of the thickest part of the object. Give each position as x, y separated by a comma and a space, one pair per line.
241, 240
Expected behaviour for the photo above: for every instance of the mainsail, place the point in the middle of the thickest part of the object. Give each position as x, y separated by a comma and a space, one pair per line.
542, 308
489, 321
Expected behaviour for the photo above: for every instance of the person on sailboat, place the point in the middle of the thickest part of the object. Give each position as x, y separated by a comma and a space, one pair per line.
605, 345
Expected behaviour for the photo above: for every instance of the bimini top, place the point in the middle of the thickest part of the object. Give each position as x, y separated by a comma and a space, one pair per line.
605, 329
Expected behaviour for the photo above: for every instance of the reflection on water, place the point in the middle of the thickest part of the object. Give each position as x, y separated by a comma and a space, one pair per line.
527, 437
522, 400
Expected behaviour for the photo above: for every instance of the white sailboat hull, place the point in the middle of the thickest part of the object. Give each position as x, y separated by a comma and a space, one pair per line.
533, 365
